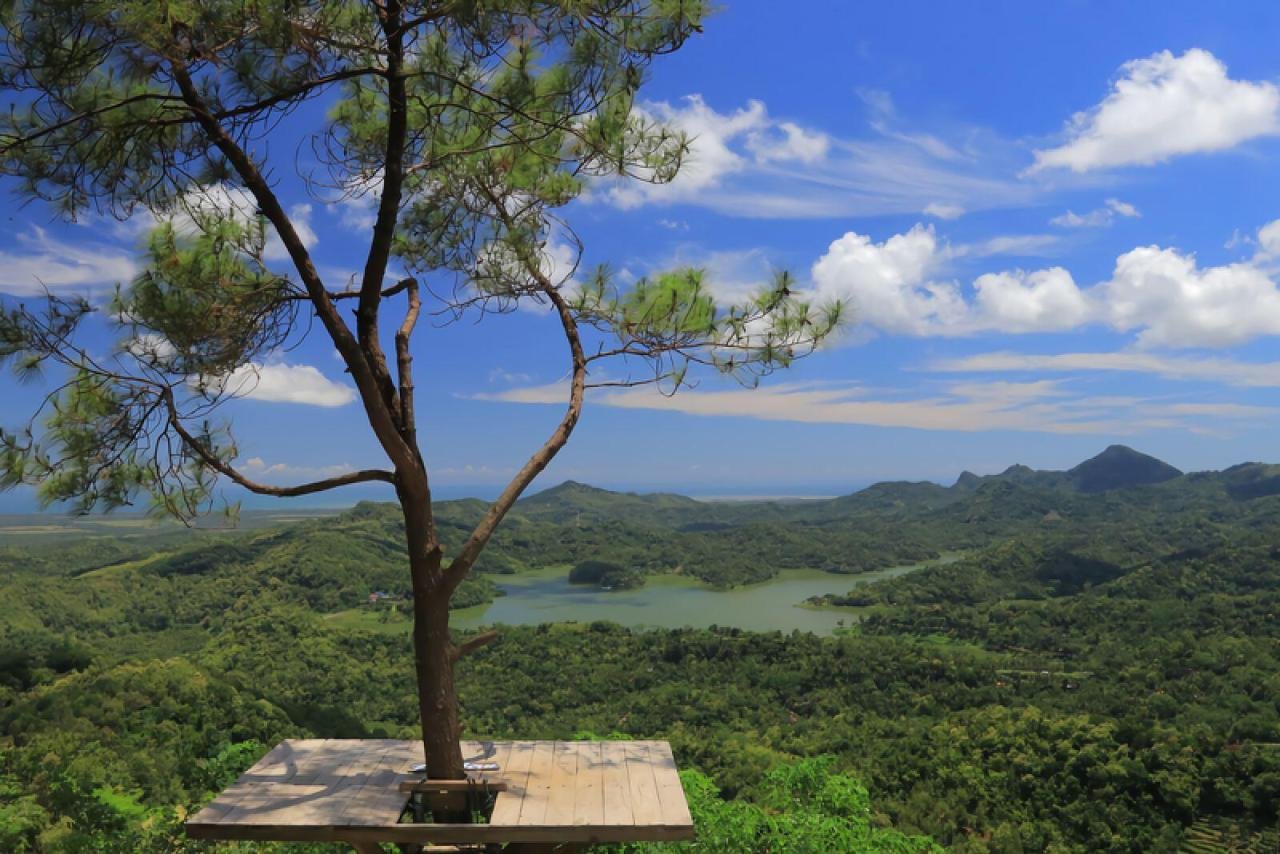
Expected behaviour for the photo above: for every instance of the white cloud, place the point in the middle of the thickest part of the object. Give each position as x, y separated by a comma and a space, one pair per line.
1176, 303
1163, 106
41, 261
892, 286
1226, 371
1008, 244
1097, 218
732, 275
259, 468
1039, 301
502, 375
787, 141
888, 284
300, 214
358, 208
61, 266
1269, 239
1123, 208
237, 202
746, 163
941, 210
710, 157
1159, 293
281, 383
1040, 406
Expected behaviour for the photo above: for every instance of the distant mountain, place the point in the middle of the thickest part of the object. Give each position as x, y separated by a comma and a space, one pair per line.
1120, 467
572, 502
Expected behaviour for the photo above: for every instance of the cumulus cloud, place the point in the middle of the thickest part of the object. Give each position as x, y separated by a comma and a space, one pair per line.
43, 262
895, 286
1163, 106
1039, 301
889, 283
1176, 303
280, 383
1159, 293
1099, 217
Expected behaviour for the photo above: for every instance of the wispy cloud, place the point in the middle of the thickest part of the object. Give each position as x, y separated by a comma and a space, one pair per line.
260, 468
747, 163
1042, 406
1226, 371
1098, 217
41, 262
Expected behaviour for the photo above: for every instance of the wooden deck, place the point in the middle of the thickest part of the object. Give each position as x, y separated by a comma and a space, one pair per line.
348, 790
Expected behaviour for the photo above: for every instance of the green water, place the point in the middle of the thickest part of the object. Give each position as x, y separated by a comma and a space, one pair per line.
672, 601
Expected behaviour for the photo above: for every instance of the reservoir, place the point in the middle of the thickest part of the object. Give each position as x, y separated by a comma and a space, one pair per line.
676, 601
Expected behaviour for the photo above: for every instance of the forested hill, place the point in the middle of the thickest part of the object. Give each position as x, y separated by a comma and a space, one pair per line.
1096, 672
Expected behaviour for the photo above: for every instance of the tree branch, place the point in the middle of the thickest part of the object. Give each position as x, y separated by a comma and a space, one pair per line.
472, 644
404, 361
219, 465
375, 405
475, 543
384, 227
398, 287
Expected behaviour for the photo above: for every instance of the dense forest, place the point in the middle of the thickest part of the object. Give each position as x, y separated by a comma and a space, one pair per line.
1100, 671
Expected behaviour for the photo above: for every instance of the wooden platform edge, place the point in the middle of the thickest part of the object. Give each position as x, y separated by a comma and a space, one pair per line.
443, 833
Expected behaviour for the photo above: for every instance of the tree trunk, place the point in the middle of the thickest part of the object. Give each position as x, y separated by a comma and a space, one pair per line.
437, 698
433, 650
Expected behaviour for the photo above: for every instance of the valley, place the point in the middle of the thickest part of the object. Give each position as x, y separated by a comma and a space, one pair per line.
1068, 661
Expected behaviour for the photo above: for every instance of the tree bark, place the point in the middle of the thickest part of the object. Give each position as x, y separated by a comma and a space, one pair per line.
437, 700
433, 649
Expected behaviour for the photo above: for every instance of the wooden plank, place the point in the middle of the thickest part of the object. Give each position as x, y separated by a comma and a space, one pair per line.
516, 775
557, 792
298, 804
537, 793
310, 756
588, 800
675, 809
277, 764
378, 800
616, 792
440, 833
564, 774
646, 809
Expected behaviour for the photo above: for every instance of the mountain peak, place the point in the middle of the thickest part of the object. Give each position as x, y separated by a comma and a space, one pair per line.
1120, 467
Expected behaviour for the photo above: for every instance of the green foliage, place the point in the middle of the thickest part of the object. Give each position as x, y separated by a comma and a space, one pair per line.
203, 305
1105, 681
607, 575
803, 807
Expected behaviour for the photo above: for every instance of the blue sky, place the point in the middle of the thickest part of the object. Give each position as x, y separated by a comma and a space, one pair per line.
1057, 226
